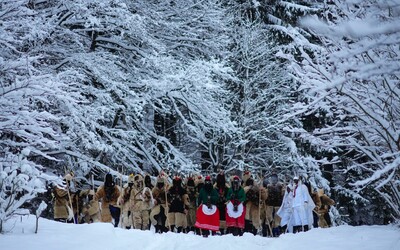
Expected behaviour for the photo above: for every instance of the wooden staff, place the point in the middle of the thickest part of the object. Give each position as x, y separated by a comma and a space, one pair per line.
166, 205
121, 195
266, 216
69, 196
94, 198
77, 201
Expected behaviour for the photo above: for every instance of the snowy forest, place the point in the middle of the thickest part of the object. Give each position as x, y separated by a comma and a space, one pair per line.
301, 87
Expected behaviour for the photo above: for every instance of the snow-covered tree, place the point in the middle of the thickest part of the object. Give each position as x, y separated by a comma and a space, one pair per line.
19, 183
259, 96
28, 121
114, 65
351, 78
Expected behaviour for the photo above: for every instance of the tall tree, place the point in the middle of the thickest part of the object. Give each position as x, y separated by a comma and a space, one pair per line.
352, 78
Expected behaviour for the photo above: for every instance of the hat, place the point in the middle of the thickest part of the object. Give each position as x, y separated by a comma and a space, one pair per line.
208, 178
131, 178
236, 178
295, 178
138, 177
68, 177
199, 180
246, 175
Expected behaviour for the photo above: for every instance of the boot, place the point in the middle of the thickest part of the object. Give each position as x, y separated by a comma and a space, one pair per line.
247, 226
275, 231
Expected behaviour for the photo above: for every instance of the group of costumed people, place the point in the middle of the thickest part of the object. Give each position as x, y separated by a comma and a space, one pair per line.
196, 203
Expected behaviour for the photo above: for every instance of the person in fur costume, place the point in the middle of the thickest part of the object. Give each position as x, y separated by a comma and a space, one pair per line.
235, 210
108, 195
90, 208
177, 205
275, 194
127, 201
62, 201
255, 197
207, 215
324, 218
140, 219
158, 215
222, 189
317, 201
192, 200
146, 205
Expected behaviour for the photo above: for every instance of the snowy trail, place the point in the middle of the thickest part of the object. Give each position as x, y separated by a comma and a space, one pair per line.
59, 236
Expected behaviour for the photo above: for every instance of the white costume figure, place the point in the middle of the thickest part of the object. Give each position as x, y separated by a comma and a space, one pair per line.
297, 207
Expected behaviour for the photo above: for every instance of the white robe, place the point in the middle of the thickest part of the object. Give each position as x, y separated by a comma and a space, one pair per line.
294, 210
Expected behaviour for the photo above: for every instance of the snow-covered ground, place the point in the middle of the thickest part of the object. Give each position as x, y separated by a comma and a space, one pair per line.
54, 235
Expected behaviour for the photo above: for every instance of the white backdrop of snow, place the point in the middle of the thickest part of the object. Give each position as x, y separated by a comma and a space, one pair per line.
55, 235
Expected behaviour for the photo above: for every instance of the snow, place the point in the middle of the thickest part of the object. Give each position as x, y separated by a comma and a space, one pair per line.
55, 235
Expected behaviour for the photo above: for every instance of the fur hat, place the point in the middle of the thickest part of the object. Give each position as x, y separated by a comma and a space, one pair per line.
246, 176
68, 177
138, 177
199, 179
131, 178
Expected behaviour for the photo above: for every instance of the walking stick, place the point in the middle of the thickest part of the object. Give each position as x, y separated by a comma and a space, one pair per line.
77, 201
266, 216
166, 207
269, 226
94, 198
69, 198
121, 194
260, 202
70, 203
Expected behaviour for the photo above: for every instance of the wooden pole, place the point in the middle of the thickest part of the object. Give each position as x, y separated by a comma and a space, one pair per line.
166, 205
94, 198
77, 201
121, 194
266, 216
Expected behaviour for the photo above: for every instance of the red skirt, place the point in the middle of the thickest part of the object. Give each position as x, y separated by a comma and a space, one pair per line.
236, 220
207, 219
